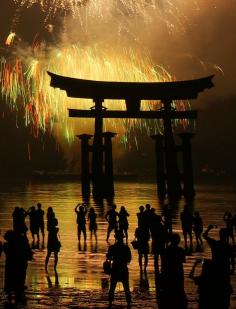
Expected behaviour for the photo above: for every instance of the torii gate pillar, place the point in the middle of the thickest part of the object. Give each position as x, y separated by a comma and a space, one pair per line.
97, 150
160, 166
108, 171
188, 190
85, 172
172, 173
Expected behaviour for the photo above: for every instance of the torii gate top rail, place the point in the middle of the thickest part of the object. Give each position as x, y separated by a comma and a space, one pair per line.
135, 91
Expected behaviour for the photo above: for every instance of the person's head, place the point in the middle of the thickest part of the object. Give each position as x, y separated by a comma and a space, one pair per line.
122, 208
91, 210
50, 209
114, 207
141, 208
175, 239
81, 208
153, 210
39, 205
32, 208
148, 206
9, 235
223, 233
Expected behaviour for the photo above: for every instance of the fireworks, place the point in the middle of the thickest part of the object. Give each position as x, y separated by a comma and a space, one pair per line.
28, 84
24, 82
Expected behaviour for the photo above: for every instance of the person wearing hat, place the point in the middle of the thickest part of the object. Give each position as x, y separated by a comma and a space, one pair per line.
120, 255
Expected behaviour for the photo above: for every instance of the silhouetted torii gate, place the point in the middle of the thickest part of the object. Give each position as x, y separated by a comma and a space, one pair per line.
168, 177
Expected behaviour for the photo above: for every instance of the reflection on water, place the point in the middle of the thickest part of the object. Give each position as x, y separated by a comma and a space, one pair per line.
81, 267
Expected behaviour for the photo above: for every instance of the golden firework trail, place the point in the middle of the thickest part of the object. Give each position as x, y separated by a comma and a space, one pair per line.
27, 84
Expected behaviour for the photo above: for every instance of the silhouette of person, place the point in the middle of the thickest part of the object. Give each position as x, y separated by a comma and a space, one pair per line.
147, 216
187, 222
111, 218
92, 216
158, 236
40, 219
18, 216
123, 221
223, 261
53, 244
198, 227
34, 228
18, 253
172, 294
140, 216
167, 215
50, 218
228, 218
209, 290
81, 220
142, 235
120, 255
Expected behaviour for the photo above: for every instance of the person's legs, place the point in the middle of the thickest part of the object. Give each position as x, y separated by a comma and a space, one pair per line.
84, 233
47, 260
140, 261
113, 283
109, 229
127, 289
79, 233
145, 262
55, 260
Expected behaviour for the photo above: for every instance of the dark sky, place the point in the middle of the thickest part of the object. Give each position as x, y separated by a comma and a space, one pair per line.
204, 44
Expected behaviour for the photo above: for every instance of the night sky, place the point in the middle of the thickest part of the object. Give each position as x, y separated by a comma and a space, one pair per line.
196, 39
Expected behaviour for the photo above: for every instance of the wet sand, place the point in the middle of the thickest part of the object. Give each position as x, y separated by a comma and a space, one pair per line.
81, 282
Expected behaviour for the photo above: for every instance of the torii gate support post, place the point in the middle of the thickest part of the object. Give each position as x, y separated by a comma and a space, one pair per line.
174, 190
85, 172
108, 165
97, 150
188, 190
160, 166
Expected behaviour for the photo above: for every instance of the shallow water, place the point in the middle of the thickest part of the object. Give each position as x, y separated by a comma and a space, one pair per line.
81, 281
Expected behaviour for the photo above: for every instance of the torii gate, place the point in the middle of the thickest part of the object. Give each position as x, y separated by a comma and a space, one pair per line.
168, 177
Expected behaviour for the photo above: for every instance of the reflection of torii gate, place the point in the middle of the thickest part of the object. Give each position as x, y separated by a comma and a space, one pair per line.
168, 177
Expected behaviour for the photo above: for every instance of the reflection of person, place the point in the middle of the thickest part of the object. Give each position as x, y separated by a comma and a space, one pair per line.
120, 255
81, 220
224, 263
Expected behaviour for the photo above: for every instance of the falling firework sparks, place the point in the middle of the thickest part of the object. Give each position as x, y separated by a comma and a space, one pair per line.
44, 107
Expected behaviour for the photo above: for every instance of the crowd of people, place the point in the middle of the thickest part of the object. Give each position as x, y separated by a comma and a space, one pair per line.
213, 284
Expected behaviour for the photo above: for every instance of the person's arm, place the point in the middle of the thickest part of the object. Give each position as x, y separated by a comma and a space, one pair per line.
109, 254
106, 216
191, 274
129, 256
76, 208
205, 234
